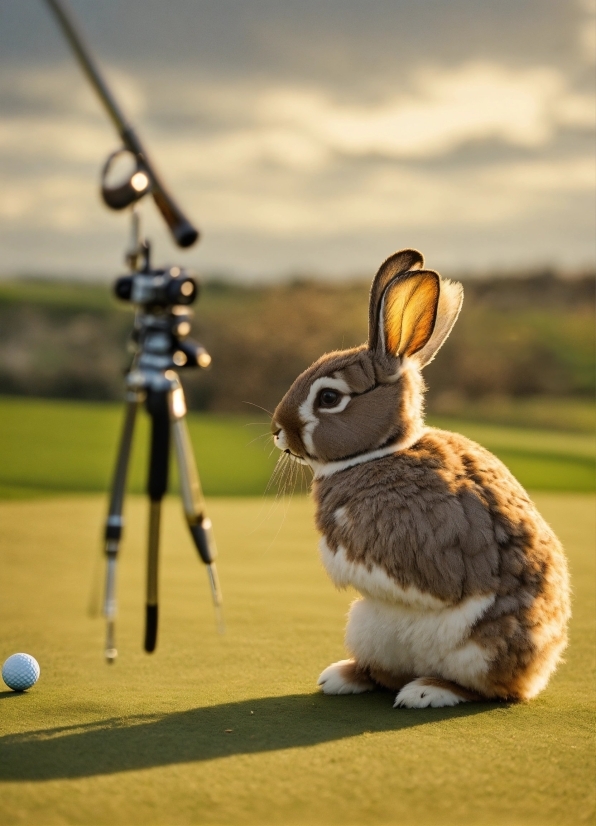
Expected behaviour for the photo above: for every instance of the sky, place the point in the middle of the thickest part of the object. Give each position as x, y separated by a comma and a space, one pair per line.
307, 137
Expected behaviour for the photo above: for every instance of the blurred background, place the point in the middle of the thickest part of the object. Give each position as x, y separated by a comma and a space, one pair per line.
308, 140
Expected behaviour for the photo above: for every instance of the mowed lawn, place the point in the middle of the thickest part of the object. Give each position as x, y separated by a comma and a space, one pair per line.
70, 447
231, 729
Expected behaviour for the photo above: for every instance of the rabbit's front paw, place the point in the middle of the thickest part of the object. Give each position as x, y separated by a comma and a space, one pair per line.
344, 677
425, 692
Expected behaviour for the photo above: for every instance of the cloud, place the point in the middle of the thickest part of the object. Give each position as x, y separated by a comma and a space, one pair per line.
475, 102
441, 111
289, 162
556, 176
48, 140
587, 31
399, 196
61, 89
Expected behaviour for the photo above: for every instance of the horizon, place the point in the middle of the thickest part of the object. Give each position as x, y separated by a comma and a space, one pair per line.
214, 278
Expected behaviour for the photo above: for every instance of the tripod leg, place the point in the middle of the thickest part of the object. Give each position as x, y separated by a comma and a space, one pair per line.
114, 524
192, 496
157, 407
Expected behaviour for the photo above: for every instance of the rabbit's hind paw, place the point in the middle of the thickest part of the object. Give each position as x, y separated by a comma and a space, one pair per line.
345, 677
433, 692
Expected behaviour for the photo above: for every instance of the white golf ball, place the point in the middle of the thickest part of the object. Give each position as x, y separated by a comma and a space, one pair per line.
20, 672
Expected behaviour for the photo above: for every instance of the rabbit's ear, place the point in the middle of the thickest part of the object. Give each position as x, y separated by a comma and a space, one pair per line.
407, 314
450, 301
397, 264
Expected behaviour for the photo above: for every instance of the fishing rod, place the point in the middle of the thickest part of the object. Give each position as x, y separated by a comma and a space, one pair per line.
183, 232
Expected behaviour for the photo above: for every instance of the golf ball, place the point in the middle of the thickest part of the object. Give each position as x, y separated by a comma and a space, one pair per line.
20, 672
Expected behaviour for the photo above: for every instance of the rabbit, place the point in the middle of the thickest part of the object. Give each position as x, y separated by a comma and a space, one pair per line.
464, 587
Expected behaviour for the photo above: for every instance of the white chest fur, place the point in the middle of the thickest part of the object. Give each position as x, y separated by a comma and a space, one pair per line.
406, 631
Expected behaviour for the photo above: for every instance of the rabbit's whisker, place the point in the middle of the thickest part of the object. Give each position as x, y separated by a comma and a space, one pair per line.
264, 409
260, 436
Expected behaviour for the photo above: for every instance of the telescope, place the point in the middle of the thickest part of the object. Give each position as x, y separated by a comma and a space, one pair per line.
161, 346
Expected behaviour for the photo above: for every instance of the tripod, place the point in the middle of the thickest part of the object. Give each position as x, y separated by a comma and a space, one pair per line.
160, 334
162, 324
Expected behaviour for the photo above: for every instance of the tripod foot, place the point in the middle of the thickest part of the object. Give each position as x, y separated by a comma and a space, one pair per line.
217, 598
111, 652
150, 628
110, 655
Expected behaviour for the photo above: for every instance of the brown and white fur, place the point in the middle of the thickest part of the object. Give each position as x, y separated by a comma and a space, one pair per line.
465, 592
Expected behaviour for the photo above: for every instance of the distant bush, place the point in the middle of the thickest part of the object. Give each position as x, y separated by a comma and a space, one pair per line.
517, 338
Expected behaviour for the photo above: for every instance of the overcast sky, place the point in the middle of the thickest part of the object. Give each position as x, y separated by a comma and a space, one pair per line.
307, 136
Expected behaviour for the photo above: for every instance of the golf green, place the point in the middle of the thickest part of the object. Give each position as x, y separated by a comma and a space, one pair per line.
55, 447
231, 729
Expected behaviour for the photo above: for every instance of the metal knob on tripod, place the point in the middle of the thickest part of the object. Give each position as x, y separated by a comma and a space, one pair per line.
161, 346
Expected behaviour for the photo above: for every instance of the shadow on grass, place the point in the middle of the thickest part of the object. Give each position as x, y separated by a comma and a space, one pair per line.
5, 695
247, 727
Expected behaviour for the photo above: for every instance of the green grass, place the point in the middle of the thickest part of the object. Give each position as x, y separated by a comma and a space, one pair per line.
68, 447
231, 730
41, 292
54, 446
545, 413
540, 459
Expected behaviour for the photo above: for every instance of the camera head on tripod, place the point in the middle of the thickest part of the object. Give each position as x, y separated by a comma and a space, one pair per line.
163, 319
158, 288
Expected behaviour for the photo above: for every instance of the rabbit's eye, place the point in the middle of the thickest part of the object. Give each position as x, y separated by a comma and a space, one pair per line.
329, 398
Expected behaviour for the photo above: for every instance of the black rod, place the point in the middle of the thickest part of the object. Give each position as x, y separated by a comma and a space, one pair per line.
184, 233
157, 485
